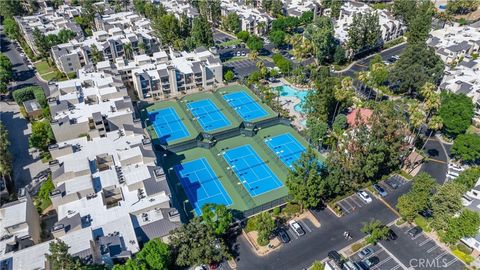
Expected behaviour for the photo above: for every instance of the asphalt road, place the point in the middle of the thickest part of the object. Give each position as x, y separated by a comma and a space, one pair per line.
437, 165
26, 165
301, 253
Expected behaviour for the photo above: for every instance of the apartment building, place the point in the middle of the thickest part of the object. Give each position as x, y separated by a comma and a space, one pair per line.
49, 21
119, 35
296, 8
111, 183
91, 105
391, 28
178, 7
252, 20
455, 42
168, 74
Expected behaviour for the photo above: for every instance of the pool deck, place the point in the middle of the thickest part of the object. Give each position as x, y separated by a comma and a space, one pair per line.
289, 103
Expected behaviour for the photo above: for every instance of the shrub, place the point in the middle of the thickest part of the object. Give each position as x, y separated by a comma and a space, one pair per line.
276, 211
28, 93
464, 248
317, 265
423, 223
251, 224
262, 241
357, 246
464, 257
291, 209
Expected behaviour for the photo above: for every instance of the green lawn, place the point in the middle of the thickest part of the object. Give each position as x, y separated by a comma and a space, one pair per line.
43, 67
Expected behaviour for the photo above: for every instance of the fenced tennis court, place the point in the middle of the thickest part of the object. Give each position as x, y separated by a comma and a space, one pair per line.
208, 115
253, 172
168, 125
286, 148
201, 184
245, 106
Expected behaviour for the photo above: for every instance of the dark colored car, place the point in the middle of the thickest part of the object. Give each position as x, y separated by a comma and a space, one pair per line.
414, 231
392, 235
337, 258
283, 236
365, 252
392, 184
371, 261
381, 191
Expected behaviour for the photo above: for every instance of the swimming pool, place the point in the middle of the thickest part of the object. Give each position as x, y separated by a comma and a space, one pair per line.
288, 91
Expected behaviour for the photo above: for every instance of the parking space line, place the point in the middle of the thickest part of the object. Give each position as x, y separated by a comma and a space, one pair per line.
375, 253
355, 201
393, 257
451, 262
441, 255
294, 235
424, 242
306, 226
414, 238
344, 208
432, 249
396, 267
349, 204
382, 262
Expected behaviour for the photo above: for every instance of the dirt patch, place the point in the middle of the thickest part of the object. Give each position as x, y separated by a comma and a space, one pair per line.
261, 250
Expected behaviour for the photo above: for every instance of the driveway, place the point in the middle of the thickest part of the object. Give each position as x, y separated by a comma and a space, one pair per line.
26, 165
437, 164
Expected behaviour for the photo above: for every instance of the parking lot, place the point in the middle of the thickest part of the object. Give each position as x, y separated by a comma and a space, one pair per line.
420, 252
306, 225
395, 186
352, 203
387, 261
245, 67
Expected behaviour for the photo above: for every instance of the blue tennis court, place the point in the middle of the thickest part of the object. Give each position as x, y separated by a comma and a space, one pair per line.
255, 175
168, 125
201, 184
208, 115
286, 147
245, 106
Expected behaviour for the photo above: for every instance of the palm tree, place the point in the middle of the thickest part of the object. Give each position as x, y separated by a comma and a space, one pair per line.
127, 48
97, 55
141, 47
343, 92
435, 123
417, 118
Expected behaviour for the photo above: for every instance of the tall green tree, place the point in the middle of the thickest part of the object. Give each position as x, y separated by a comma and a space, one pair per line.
416, 66
5, 155
364, 32
469, 177
265, 225
466, 147
254, 43
196, 244
456, 112
321, 34
418, 199
278, 38
232, 22
202, 32
465, 225
305, 182
167, 28
10, 8
376, 231
317, 131
59, 258
446, 203
156, 255
462, 6
11, 29
42, 135
218, 217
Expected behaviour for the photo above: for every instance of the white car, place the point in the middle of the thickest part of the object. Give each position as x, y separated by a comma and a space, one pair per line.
452, 172
364, 196
466, 201
455, 167
296, 227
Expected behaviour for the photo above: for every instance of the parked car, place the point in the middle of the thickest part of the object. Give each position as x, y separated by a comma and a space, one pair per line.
371, 261
466, 201
414, 231
392, 235
283, 236
337, 258
365, 252
296, 227
455, 167
381, 191
244, 53
349, 265
392, 184
364, 196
